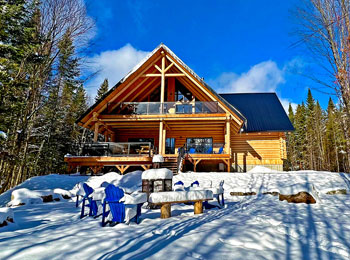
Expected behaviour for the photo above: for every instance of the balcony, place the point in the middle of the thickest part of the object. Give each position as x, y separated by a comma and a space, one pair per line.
158, 108
113, 149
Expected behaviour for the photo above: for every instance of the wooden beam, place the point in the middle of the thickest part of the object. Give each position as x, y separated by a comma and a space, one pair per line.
160, 148
175, 75
159, 69
162, 84
146, 166
228, 137
97, 125
152, 75
122, 168
168, 68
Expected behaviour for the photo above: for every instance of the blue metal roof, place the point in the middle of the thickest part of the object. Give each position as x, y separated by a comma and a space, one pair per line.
264, 111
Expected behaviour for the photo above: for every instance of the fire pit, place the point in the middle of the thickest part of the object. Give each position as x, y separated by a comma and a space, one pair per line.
157, 180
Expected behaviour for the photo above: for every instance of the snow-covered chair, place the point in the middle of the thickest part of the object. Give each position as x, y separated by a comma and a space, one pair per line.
91, 202
179, 186
116, 207
221, 150
195, 183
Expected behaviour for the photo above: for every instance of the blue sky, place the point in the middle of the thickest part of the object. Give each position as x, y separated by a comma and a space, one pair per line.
237, 45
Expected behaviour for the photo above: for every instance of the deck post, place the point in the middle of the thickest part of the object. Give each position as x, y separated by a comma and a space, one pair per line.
228, 137
97, 125
161, 139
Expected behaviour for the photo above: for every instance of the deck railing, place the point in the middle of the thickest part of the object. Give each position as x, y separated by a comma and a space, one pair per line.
157, 108
206, 148
117, 149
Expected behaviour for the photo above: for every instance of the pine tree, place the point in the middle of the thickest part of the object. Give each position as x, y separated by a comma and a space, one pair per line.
310, 134
290, 141
103, 89
300, 137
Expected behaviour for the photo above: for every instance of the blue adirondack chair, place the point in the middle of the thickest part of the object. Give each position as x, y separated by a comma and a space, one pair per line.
195, 183
179, 185
91, 203
210, 150
192, 150
116, 208
221, 150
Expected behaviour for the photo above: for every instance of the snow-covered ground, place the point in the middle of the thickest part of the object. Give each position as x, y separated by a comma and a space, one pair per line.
249, 227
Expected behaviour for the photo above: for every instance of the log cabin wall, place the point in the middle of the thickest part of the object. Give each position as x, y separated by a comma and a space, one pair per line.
252, 149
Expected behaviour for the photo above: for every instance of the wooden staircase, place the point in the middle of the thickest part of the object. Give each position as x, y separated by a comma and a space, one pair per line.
170, 163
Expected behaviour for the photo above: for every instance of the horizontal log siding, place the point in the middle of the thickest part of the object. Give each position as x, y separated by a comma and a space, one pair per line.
260, 149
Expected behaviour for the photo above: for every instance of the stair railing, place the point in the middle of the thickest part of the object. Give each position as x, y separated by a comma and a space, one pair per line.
180, 157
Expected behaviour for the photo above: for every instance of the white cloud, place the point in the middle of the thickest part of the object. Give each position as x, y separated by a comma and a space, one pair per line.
113, 65
262, 77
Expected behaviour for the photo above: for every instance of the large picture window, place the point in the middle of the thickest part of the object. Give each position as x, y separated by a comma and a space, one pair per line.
200, 145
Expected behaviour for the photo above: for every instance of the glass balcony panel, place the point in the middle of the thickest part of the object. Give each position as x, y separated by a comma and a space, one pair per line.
157, 108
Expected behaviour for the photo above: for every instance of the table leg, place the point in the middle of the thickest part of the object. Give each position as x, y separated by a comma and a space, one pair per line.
165, 210
198, 207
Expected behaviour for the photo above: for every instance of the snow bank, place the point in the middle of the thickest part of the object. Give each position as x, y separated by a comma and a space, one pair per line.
261, 169
286, 183
154, 174
170, 196
25, 196
52, 181
6, 216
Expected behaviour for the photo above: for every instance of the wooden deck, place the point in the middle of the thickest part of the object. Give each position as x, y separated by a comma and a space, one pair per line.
96, 163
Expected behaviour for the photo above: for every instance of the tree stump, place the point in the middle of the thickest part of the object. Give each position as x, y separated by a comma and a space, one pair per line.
165, 210
198, 207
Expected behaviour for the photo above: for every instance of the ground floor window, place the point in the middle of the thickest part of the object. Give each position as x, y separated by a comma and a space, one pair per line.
170, 146
200, 145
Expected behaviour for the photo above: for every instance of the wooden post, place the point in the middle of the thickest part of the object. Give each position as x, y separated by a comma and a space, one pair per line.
164, 139
228, 137
198, 207
97, 125
161, 126
165, 210
162, 84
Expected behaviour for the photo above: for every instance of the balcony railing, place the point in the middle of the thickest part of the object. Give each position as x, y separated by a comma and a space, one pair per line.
157, 108
117, 149
205, 148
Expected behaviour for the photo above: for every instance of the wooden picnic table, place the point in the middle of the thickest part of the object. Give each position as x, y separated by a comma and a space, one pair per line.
165, 199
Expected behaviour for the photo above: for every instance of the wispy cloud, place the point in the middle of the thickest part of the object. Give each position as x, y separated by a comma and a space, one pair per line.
262, 77
113, 65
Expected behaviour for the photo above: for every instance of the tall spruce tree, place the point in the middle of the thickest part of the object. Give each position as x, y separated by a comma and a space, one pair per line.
310, 134
103, 89
290, 141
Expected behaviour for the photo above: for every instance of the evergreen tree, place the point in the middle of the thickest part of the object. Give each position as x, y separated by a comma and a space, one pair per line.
310, 134
103, 89
290, 142
300, 137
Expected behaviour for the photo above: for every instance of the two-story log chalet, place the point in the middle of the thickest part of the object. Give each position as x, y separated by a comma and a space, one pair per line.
163, 107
